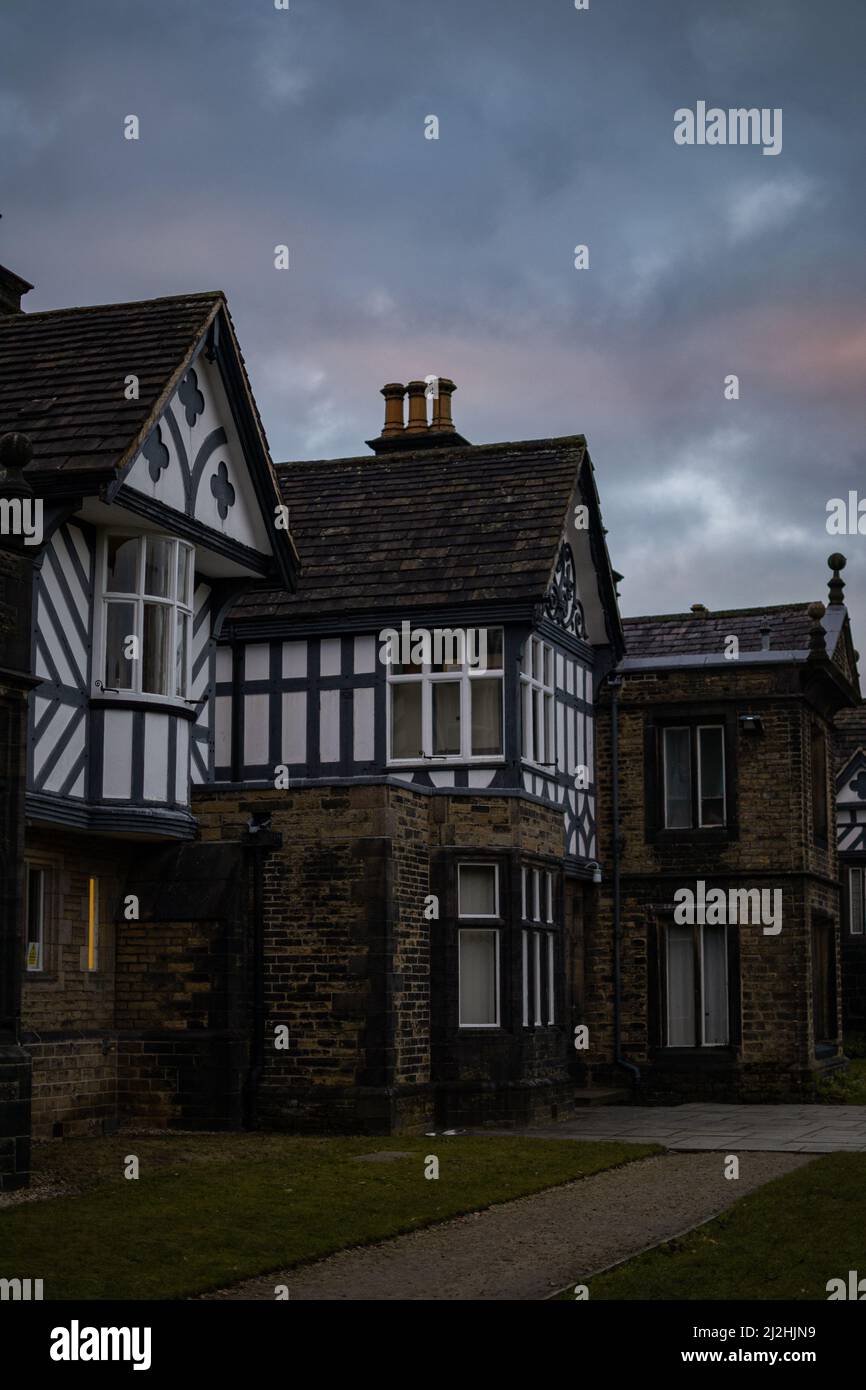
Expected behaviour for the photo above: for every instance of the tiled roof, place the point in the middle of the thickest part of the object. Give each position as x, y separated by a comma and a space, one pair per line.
460, 525
695, 634
62, 376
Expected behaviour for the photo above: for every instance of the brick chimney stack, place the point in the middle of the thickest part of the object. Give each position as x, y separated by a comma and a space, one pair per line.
12, 289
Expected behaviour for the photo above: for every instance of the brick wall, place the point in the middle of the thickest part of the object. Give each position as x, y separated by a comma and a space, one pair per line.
772, 847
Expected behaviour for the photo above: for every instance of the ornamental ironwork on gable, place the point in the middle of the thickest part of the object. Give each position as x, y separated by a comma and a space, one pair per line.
561, 604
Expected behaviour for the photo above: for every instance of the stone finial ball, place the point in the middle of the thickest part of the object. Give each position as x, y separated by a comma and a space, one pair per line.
837, 561
816, 611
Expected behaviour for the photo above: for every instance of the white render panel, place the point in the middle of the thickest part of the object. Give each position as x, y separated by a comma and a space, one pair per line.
442, 779
365, 655
223, 730
257, 662
481, 776
256, 741
294, 660
560, 735
294, 745
58, 656
181, 777
73, 747
117, 755
329, 658
223, 664
54, 733
155, 756
560, 672
329, 726
363, 746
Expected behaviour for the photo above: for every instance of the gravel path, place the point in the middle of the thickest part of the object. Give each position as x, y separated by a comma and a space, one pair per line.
526, 1249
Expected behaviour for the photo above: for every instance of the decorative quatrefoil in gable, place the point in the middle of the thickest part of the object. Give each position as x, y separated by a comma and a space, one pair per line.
191, 397
157, 454
858, 786
561, 604
222, 491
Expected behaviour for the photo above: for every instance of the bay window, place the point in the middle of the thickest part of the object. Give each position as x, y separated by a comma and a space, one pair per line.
448, 710
146, 614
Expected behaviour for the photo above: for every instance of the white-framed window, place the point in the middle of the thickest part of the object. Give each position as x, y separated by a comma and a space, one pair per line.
34, 915
538, 724
696, 971
856, 901
144, 614
538, 947
448, 711
478, 947
700, 801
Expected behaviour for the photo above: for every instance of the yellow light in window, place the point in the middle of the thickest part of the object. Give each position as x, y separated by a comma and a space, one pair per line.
91, 924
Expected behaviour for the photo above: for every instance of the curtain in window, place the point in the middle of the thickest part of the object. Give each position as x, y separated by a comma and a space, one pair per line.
478, 978
681, 986
446, 717
486, 696
677, 779
406, 720
715, 986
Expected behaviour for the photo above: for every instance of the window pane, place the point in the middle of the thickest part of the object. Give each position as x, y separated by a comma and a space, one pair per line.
855, 884
548, 660
446, 717
526, 722
548, 730
677, 779
712, 773
551, 994
681, 987
406, 720
538, 751
119, 625
451, 648
157, 568
181, 654
122, 565
476, 890
478, 1005
537, 970
536, 658
184, 574
549, 899
494, 649
715, 986
156, 659
525, 936
523, 876
486, 699
536, 895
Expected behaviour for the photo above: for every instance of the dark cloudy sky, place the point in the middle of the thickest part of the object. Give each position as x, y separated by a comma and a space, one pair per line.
411, 256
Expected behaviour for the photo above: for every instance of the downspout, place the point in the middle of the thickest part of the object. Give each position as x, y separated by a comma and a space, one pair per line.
615, 682
260, 841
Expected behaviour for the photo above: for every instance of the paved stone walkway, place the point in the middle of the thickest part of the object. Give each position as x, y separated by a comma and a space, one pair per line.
527, 1249
810, 1129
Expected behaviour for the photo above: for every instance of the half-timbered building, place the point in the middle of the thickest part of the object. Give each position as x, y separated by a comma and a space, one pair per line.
336, 795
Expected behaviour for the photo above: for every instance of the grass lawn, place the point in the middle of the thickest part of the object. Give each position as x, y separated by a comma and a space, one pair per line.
210, 1209
783, 1241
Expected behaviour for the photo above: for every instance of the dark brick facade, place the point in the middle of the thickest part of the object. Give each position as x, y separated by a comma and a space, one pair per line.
768, 843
